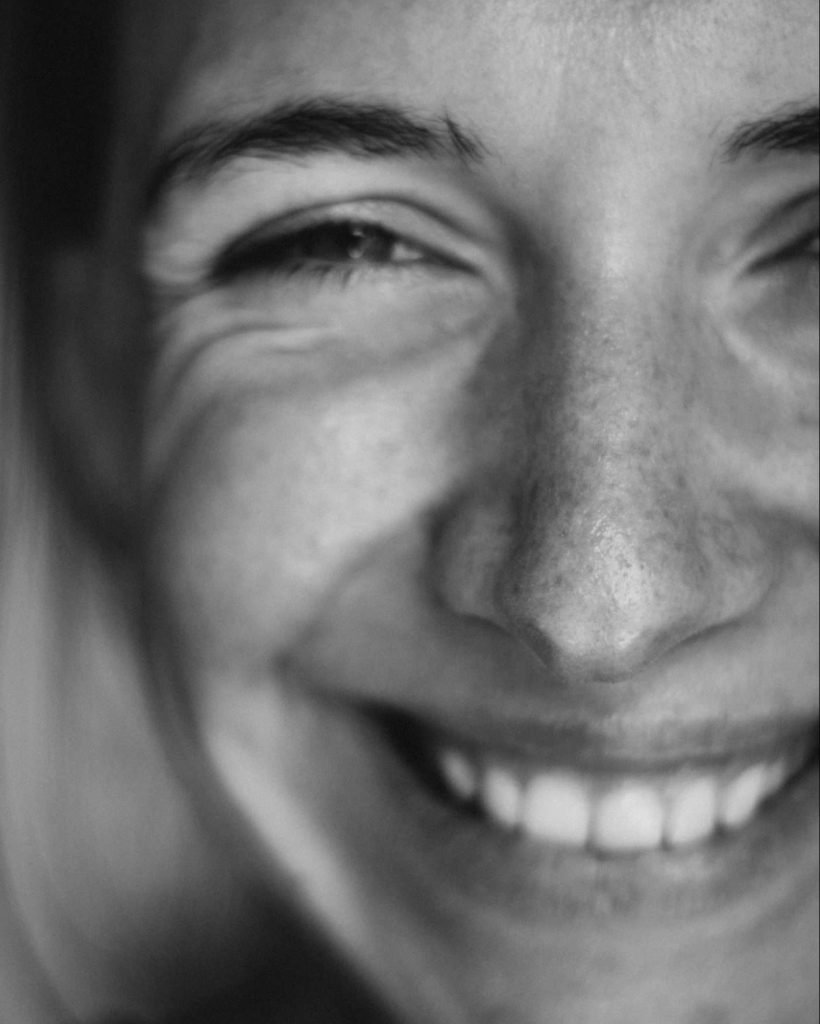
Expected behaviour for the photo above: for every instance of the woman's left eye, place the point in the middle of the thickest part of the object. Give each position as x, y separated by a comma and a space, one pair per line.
798, 265
806, 249
812, 249
327, 248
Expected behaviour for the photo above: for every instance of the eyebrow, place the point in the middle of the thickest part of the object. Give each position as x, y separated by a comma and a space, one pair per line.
308, 128
791, 130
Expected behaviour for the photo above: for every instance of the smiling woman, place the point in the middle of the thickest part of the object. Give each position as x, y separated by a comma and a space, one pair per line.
462, 429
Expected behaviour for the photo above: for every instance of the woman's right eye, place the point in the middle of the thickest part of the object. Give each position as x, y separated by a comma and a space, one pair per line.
329, 248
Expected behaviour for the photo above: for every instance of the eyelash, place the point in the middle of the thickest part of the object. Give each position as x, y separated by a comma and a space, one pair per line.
272, 255
805, 247
812, 246
803, 251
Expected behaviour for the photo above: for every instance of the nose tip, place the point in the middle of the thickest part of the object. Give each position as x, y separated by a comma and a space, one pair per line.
601, 583
606, 602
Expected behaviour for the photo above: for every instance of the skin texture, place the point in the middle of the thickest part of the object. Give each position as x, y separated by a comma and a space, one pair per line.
564, 474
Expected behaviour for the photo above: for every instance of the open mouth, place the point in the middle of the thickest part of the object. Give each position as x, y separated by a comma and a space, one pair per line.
540, 811
608, 810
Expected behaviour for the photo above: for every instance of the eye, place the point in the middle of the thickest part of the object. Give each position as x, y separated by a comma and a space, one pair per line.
788, 276
804, 250
780, 301
793, 238
812, 247
328, 248
797, 266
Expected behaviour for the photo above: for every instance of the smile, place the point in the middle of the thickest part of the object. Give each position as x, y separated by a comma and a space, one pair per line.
618, 814
541, 812
606, 806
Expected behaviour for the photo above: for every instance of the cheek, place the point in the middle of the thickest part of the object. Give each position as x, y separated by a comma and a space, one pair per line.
756, 413
270, 499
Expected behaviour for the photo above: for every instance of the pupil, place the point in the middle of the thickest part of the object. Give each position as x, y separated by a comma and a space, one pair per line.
352, 243
369, 243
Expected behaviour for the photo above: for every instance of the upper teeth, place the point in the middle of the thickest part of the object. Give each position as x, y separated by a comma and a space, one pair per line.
622, 815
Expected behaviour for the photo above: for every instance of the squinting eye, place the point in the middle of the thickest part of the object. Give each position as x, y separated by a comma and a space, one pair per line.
780, 303
801, 262
331, 247
806, 249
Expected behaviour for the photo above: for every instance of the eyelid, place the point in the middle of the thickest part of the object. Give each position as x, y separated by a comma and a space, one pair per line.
798, 249
787, 230
294, 225
180, 251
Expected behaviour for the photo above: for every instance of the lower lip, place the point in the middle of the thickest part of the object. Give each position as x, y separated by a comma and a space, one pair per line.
772, 859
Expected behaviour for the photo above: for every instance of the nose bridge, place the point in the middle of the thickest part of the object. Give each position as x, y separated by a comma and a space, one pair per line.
605, 568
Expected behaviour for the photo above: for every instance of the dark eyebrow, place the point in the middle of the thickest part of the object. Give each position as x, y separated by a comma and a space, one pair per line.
792, 130
308, 128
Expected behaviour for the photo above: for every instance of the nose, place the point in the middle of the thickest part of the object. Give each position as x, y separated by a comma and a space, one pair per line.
612, 544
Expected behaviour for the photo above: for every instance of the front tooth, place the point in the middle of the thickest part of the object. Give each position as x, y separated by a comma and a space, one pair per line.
692, 813
741, 798
628, 819
501, 796
459, 774
776, 777
557, 809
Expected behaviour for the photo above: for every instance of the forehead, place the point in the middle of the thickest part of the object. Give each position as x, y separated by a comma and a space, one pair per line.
567, 94
494, 55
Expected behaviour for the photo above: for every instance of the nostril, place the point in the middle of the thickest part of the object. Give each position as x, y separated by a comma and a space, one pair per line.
466, 552
598, 583
603, 615
595, 646
612, 652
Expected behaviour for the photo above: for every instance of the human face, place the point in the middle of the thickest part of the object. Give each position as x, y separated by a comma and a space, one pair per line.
488, 439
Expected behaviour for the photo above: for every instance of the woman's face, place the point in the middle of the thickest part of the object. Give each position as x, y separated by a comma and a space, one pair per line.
480, 487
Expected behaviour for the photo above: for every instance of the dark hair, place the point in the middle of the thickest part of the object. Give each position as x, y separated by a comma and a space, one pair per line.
58, 85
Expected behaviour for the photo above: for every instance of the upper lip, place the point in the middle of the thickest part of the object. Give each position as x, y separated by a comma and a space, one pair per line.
487, 691
492, 696
623, 745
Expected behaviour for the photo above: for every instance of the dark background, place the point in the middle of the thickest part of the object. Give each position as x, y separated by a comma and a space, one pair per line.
60, 56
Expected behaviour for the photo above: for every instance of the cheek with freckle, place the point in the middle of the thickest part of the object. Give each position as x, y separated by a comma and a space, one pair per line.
277, 472
269, 501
